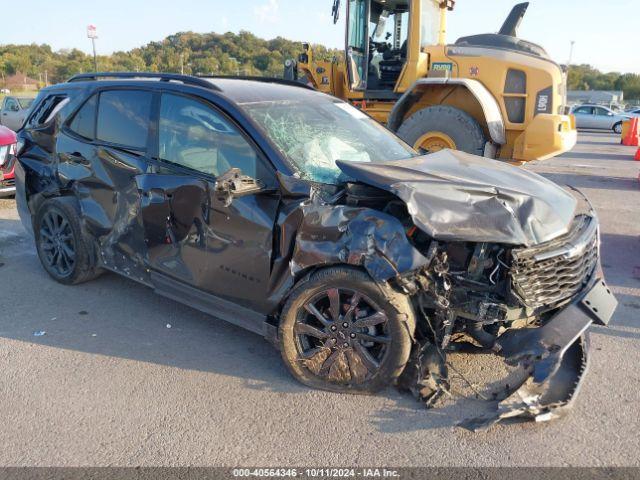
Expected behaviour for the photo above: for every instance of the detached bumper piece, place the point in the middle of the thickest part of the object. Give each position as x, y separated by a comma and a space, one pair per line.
555, 358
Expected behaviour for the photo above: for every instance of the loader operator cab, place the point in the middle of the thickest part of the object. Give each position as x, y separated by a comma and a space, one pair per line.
378, 40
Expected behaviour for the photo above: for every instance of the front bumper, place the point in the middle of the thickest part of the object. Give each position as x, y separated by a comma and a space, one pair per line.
8, 179
547, 136
554, 358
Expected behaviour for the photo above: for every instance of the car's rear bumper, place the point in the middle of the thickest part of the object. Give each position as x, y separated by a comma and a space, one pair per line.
546, 136
7, 190
7, 183
21, 199
7, 172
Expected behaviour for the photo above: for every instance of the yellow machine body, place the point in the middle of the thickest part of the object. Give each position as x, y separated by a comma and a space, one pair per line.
515, 93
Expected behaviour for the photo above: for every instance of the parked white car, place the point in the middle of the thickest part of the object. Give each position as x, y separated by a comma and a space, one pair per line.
634, 112
14, 111
599, 117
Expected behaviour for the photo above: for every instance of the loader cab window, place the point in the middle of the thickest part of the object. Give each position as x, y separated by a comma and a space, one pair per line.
389, 29
430, 23
377, 43
357, 43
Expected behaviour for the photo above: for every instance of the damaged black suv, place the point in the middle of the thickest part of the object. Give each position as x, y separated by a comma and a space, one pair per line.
294, 215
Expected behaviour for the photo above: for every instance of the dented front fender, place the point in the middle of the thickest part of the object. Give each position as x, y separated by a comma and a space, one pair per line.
334, 234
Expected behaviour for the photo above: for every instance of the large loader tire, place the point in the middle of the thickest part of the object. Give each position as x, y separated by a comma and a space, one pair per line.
439, 127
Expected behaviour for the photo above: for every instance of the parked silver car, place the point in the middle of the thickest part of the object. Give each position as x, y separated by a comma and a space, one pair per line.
599, 117
634, 112
14, 110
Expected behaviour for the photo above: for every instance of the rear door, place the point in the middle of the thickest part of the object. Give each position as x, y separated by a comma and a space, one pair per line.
191, 234
604, 119
100, 152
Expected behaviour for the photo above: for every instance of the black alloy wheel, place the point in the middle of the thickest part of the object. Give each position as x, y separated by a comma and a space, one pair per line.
341, 329
57, 243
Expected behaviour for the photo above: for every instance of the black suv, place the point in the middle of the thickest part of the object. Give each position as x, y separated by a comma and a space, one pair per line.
294, 215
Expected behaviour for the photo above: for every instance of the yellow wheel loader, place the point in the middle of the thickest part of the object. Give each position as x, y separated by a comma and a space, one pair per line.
491, 94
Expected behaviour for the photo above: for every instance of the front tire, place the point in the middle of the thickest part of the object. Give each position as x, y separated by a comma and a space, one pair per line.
441, 126
63, 249
340, 331
617, 128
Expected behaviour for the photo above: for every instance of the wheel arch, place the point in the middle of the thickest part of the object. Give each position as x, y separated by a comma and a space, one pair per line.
455, 92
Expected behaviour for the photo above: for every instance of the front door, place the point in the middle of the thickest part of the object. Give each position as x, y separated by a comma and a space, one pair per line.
12, 115
584, 117
192, 235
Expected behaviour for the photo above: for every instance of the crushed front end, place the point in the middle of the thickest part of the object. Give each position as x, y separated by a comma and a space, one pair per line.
530, 305
511, 266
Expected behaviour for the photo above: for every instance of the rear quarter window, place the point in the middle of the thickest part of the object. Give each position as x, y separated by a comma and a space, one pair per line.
47, 109
84, 121
124, 117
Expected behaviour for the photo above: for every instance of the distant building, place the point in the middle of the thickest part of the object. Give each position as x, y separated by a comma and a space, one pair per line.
595, 96
20, 82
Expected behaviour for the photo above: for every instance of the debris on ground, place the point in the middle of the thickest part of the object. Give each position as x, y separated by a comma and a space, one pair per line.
41, 333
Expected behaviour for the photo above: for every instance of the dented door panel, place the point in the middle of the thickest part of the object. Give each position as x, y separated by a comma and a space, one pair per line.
193, 237
174, 210
102, 180
241, 245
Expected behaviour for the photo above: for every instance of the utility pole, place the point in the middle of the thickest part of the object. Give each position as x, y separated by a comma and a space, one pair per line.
92, 33
235, 60
573, 42
182, 63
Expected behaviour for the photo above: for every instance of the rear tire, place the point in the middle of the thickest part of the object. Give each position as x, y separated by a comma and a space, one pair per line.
361, 351
63, 248
457, 125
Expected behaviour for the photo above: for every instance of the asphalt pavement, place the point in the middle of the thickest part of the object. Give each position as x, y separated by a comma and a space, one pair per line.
109, 374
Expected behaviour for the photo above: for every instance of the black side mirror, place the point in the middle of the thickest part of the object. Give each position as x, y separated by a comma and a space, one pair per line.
15, 108
233, 184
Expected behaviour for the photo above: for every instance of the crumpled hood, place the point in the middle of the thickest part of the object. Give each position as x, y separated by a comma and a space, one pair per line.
455, 196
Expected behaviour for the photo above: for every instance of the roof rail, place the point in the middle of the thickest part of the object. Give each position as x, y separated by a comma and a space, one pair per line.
281, 81
163, 77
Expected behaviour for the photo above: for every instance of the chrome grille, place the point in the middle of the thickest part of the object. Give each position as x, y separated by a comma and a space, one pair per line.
549, 274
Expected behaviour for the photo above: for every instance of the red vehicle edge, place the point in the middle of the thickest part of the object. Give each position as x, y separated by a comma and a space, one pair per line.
7, 162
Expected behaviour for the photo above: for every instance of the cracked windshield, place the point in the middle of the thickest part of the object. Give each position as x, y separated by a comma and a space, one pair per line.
313, 133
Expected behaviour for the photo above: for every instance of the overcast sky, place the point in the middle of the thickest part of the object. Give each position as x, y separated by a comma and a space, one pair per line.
604, 30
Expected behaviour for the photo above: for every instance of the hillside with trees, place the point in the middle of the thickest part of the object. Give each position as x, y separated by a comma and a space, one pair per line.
585, 77
224, 54
200, 54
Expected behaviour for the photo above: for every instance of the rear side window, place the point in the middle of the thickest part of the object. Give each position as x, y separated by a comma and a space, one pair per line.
124, 117
84, 122
47, 110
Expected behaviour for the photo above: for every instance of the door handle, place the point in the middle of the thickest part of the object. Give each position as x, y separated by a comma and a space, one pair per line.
155, 196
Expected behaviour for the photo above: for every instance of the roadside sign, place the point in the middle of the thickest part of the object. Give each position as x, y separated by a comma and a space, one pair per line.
92, 32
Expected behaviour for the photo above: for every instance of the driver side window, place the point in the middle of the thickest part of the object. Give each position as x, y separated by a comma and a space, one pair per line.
11, 105
194, 135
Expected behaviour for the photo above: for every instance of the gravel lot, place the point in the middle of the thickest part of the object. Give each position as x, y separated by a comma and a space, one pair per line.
110, 384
